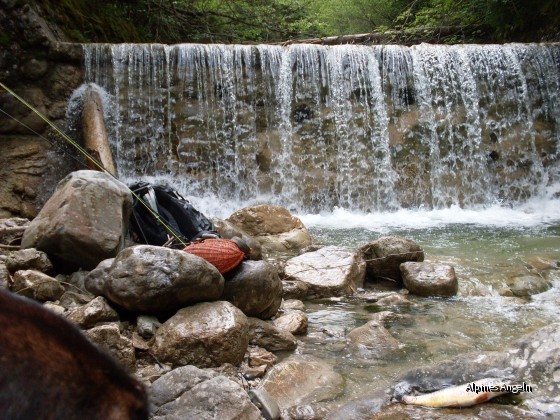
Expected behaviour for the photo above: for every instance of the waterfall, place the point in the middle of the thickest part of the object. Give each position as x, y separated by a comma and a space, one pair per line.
311, 128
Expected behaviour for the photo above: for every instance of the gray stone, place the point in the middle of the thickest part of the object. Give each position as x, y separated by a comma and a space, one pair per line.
173, 384
71, 300
4, 276
147, 278
215, 398
146, 326
109, 338
255, 288
426, 279
84, 222
11, 230
36, 285
92, 313
205, 335
330, 271
384, 256
28, 259
293, 304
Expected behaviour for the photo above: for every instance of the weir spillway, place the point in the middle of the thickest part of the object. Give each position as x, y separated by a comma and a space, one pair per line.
311, 128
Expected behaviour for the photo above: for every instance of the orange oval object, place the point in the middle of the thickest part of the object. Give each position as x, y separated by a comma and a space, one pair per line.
223, 254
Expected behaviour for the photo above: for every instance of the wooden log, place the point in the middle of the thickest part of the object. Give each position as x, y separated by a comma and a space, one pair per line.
95, 136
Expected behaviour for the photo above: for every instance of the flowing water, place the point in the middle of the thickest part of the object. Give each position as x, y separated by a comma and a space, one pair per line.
456, 148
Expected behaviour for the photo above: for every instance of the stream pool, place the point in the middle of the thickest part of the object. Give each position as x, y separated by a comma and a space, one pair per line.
486, 250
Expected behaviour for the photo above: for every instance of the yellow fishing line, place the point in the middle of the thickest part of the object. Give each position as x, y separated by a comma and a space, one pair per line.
93, 160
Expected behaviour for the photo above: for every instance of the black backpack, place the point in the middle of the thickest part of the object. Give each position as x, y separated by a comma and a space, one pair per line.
175, 212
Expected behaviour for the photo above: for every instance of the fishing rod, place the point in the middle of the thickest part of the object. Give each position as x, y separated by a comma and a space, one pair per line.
88, 156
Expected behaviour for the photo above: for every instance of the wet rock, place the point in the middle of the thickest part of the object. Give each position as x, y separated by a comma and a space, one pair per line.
84, 222
301, 380
265, 334
146, 326
273, 227
36, 285
96, 311
528, 285
228, 230
330, 271
375, 338
385, 255
147, 278
255, 288
204, 335
11, 230
427, 279
295, 322
109, 338
28, 259
215, 398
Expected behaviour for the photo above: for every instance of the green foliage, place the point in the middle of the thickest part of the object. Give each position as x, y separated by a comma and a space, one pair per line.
4, 39
253, 21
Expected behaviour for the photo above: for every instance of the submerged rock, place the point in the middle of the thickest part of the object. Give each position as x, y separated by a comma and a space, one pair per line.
329, 271
205, 335
84, 222
147, 278
528, 285
375, 338
301, 380
427, 279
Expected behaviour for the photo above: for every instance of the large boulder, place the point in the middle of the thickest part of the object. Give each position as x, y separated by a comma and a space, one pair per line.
205, 335
206, 399
147, 278
84, 222
427, 279
274, 227
300, 380
384, 256
255, 288
330, 271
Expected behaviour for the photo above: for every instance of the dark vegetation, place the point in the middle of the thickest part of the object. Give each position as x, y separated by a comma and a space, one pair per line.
266, 21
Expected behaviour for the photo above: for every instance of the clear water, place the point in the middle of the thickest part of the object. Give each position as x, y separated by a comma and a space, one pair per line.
484, 253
